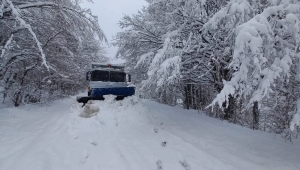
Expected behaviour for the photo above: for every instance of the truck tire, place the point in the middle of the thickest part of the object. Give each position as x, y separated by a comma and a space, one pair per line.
120, 98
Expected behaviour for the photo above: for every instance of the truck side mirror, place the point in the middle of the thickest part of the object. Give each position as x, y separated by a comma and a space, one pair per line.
88, 76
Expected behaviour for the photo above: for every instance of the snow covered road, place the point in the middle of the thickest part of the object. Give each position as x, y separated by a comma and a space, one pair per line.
134, 134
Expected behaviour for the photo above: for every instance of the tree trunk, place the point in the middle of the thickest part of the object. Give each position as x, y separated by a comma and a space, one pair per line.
255, 116
188, 96
198, 104
18, 99
190, 87
230, 110
186, 91
4, 96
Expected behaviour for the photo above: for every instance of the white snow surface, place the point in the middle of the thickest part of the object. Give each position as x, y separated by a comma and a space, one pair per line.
134, 134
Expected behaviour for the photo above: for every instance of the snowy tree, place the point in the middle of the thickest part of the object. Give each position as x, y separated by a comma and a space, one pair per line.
144, 38
45, 48
157, 38
239, 54
208, 60
266, 47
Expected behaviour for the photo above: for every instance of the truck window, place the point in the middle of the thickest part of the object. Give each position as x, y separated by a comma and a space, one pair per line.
98, 75
117, 77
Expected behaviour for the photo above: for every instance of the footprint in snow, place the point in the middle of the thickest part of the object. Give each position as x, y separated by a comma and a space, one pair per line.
93, 142
159, 165
85, 157
164, 143
155, 130
184, 165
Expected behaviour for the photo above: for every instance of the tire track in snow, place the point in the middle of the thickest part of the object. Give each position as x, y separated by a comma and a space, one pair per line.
40, 129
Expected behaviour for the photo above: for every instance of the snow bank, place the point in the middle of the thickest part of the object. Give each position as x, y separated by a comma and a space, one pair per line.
113, 113
90, 109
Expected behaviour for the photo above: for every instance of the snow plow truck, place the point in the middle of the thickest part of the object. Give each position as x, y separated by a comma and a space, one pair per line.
107, 79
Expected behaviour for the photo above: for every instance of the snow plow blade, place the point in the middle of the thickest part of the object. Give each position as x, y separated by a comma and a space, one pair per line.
85, 99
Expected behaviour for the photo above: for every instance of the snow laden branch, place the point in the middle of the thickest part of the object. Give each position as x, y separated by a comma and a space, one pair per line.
145, 59
296, 120
23, 24
2, 8
169, 72
69, 12
6, 46
54, 39
266, 48
164, 68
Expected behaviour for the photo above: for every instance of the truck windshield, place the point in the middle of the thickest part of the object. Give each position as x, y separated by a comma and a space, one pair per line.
99, 75
117, 77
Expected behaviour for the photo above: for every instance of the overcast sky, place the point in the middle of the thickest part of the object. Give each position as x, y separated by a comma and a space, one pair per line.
109, 13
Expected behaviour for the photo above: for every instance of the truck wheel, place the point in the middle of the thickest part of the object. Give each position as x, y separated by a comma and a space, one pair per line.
120, 98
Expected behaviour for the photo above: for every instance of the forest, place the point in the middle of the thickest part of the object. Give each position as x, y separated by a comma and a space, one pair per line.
46, 48
236, 60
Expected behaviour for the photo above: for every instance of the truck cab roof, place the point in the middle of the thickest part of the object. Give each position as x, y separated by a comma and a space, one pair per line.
108, 67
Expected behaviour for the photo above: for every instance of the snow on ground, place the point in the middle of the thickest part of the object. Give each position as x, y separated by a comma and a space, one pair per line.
134, 134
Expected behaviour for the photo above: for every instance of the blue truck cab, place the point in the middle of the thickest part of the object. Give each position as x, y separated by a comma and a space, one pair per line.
107, 79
